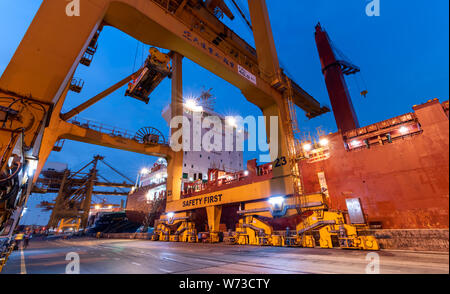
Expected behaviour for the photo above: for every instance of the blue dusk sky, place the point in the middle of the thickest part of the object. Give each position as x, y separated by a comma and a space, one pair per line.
403, 55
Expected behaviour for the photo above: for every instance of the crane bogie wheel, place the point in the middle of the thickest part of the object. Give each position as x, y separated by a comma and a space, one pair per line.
149, 135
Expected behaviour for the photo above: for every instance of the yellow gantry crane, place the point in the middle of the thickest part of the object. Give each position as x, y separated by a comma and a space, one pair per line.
35, 84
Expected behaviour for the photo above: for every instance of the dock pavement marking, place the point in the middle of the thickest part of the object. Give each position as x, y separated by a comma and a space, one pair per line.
23, 268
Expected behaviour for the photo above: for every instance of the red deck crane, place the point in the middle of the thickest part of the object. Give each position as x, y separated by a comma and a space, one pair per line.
334, 71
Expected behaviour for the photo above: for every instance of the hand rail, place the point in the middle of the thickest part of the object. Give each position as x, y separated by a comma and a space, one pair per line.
104, 128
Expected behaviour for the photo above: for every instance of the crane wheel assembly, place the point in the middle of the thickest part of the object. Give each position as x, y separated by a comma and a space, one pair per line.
176, 231
328, 226
321, 229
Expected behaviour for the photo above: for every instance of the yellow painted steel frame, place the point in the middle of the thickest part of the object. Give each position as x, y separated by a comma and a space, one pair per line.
186, 232
161, 232
328, 224
160, 59
332, 223
306, 241
46, 59
55, 42
249, 231
69, 224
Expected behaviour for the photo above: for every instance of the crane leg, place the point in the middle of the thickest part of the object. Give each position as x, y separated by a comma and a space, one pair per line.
214, 213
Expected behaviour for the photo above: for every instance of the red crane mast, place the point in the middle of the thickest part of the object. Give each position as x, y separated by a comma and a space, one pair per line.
334, 71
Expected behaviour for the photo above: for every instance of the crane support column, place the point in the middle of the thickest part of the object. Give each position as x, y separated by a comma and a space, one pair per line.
269, 65
175, 162
214, 213
277, 144
265, 45
341, 102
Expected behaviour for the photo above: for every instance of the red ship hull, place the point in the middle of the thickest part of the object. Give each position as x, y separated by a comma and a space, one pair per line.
401, 185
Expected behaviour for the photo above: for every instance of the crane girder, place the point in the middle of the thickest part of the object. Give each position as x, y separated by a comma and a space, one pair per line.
193, 32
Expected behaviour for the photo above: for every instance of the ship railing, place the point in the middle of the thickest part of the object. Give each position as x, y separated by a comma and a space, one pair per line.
383, 132
236, 178
103, 128
445, 106
149, 187
405, 118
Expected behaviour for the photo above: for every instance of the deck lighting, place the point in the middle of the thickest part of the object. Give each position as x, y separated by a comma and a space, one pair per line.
97, 207
355, 143
191, 104
324, 142
144, 171
170, 215
231, 121
307, 147
404, 130
246, 173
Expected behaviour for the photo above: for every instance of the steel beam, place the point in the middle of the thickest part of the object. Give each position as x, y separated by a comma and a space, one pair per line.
175, 163
75, 111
